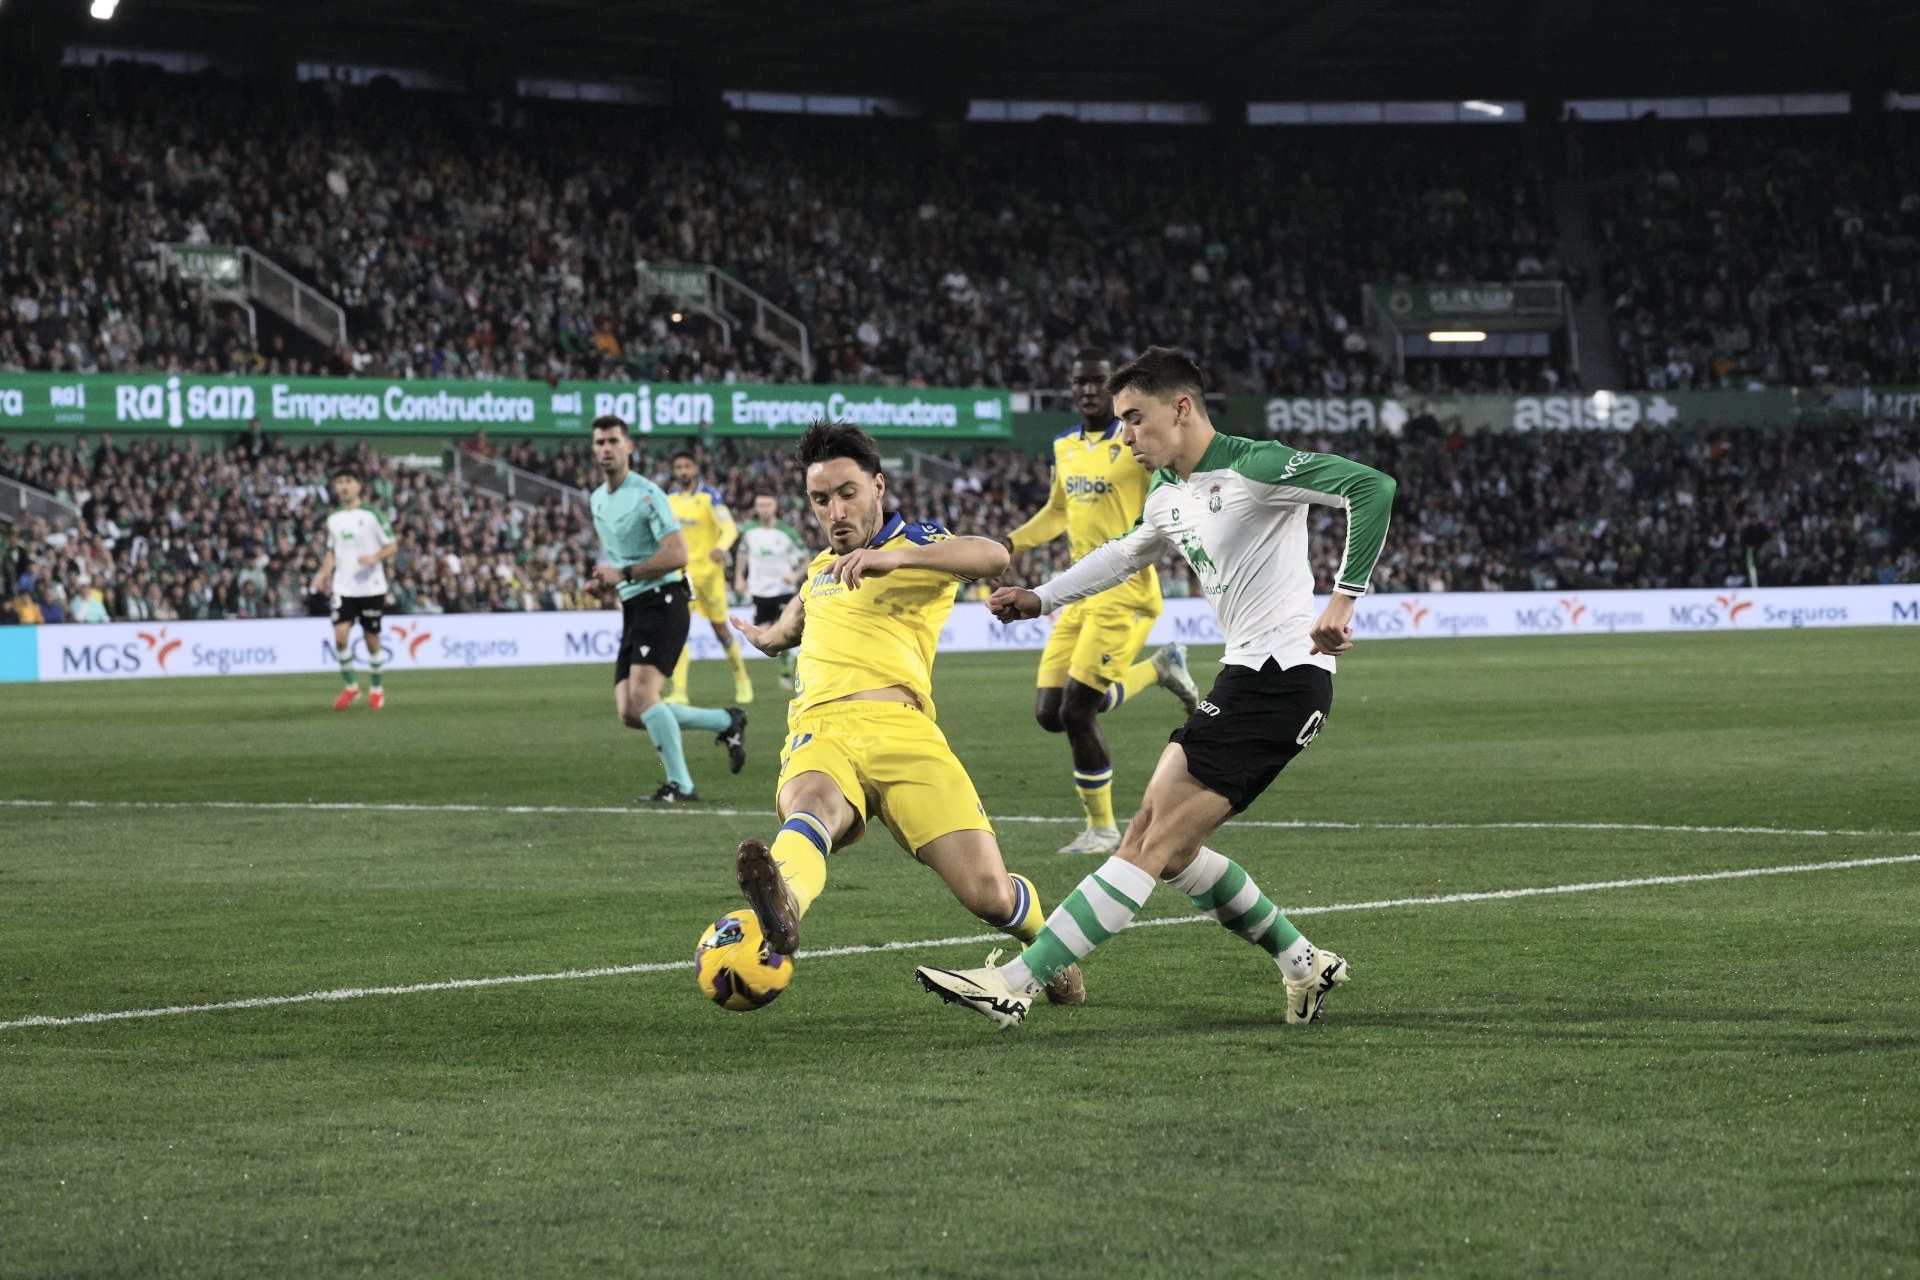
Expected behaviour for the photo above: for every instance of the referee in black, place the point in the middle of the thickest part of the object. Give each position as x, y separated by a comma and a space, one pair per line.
646, 560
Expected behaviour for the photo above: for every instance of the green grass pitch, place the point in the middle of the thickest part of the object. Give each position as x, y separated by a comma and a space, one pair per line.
1701, 1077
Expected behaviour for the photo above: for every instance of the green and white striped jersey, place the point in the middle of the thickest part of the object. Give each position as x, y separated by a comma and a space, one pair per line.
773, 551
363, 531
1241, 521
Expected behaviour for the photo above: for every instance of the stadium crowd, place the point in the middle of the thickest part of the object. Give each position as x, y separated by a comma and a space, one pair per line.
1759, 253
170, 532
463, 247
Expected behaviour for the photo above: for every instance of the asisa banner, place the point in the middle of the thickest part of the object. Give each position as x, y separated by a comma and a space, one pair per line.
125, 651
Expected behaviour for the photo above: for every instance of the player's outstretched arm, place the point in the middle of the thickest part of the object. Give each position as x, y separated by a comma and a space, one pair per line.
778, 636
968, 559
1104, 566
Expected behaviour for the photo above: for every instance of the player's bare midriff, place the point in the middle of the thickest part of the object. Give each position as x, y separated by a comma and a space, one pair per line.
892, 693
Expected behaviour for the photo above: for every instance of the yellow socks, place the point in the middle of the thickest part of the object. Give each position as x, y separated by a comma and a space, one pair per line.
1140, 675
1027, 919
800, 851
1096, 795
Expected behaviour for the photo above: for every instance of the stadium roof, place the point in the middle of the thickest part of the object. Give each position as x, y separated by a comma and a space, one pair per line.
943, 51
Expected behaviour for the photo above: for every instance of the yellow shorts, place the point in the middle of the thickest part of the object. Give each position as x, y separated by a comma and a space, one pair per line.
886, 758
1093, 645
709, 591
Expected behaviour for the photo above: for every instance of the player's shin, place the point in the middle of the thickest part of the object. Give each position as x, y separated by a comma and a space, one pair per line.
377, 664
665, 732
346, 669
711, 719
800, 852
1222, 889
1102, 905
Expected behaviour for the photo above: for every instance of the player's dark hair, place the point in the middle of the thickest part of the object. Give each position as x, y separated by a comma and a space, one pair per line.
346, 473
688, 454
1160, 372
824, 441
610, 422
1092, 355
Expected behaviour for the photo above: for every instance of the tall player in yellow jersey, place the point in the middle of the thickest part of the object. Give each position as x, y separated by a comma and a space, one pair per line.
1088, 666
861, 737
709, 529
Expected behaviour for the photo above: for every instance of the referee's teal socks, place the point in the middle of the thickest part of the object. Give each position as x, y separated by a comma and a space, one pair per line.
712, 719
664, 729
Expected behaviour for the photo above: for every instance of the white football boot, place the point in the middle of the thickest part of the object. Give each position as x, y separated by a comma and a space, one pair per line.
1094, 840
982, 990
1304, 999
1170, 666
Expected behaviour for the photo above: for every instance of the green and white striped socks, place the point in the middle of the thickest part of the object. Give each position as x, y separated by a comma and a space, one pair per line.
1103, 904
1221, 888
1107, 901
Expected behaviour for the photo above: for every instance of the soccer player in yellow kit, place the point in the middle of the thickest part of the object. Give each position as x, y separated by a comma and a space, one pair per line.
709, 529
1088, 665
861, 736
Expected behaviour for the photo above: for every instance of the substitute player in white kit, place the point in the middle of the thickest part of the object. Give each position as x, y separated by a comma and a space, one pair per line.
360, 544
768, 568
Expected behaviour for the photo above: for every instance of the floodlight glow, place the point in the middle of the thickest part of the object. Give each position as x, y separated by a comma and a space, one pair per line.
103, 9
1456, 335
1484, 108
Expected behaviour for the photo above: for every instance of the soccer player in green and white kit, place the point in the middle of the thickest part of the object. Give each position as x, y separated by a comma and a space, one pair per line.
768, 569
646, 560
1237, 511
353, 572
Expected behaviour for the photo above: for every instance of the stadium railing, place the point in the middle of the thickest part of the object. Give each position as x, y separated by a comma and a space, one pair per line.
17, 500
515, 484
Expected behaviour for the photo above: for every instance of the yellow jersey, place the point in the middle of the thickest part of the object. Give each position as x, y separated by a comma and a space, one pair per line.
1098, 494
705, 523
882, 634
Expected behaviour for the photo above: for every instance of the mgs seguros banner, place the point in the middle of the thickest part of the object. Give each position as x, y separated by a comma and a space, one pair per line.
191, 402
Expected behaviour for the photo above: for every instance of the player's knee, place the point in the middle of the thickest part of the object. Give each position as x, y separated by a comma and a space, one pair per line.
634, 718
1048, 718
1078, 718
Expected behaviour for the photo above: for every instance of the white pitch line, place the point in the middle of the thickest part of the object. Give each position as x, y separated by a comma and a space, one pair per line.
347, 806
1378, 904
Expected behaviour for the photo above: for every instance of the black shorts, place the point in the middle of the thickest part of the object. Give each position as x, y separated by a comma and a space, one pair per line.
653, 630
1251, 724
365, 610
767, 609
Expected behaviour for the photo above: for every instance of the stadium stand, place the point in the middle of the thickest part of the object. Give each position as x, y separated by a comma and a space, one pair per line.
461, 248
1760, 252
169, 532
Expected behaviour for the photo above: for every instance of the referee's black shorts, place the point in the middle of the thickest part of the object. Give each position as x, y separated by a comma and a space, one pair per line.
767, 609
653, 630
1251, 724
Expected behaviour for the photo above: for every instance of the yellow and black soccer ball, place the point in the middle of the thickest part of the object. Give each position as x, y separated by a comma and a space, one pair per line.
733, 966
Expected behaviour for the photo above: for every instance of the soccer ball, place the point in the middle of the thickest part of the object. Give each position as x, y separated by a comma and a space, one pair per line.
733, 966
